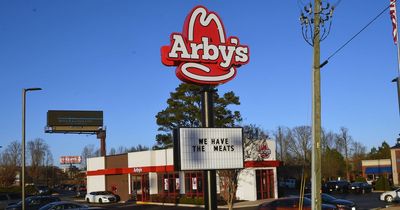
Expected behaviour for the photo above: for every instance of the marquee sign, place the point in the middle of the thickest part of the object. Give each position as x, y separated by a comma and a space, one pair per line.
208, 148
202, 52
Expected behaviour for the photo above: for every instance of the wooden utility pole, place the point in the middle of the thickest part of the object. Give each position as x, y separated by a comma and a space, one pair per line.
316, 113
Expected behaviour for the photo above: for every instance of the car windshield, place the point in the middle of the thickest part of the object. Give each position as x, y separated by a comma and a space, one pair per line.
327, 198
104, 193
306, 201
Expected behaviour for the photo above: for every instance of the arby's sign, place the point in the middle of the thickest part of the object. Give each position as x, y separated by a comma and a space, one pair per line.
202, 52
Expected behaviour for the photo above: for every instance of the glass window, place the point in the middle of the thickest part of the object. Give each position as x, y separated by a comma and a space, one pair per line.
194, 184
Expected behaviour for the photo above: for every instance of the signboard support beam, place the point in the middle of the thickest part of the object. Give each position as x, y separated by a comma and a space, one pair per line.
101, 134
207, 120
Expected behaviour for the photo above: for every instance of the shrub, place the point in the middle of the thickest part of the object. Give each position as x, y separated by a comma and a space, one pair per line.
382, 183
360, 179
191, 200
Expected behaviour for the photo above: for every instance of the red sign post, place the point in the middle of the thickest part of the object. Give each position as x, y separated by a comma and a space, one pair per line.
204, 56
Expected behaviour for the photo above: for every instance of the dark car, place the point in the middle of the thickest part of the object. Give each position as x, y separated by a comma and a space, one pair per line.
63, 205
9, 198
34, 202
341, 204
337, 186
360, 187
43, 190
291, 203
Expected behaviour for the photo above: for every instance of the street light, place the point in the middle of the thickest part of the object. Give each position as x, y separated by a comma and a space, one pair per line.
23, 141
316, 24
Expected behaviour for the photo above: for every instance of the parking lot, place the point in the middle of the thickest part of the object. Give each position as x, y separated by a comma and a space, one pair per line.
363, 201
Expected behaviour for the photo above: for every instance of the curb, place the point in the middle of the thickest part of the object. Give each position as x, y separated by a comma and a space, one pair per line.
168, 204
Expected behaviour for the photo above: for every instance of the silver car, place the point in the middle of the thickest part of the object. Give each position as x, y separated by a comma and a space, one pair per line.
390, 196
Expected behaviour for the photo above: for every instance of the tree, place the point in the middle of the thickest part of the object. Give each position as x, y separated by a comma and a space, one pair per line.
87, 152
229, 178
300, 145
344, 140
383, 152
10, 163
333, 162
184, 110
282, 136
359, 154
40, 156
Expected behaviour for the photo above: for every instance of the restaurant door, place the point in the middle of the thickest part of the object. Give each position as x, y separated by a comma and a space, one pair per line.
140, 187
265, 184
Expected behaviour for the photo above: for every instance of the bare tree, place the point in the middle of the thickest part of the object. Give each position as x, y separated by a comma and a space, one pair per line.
87, 152
300, 144
113, 151
358, 154
10, 162
39, 154
282, 136
229, 178
343, 142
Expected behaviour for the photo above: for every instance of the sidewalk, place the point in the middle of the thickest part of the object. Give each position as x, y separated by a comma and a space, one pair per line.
243, 204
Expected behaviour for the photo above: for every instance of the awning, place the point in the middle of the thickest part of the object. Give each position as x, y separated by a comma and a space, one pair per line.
378, 170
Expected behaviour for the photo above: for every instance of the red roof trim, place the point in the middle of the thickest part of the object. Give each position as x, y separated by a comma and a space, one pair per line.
170, 168
145, 169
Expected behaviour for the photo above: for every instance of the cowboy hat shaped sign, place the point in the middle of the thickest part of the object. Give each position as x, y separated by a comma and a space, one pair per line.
202, 52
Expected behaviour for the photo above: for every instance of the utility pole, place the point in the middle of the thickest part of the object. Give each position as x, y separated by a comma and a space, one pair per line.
314, 30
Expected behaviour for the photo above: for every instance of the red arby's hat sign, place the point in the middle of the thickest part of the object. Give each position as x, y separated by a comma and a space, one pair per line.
202, 52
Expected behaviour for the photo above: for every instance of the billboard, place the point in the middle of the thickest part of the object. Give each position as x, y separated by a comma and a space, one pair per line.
74, 121
70, 159
208, 148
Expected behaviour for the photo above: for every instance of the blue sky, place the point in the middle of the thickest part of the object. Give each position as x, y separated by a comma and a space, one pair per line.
105, 55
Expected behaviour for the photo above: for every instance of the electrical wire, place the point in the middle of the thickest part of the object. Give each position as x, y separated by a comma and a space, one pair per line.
352, 38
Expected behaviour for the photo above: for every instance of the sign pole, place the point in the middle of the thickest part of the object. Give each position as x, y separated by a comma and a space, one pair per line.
207, 120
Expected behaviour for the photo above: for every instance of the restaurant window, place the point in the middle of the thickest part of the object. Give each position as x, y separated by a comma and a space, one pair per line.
168, 184
194, 184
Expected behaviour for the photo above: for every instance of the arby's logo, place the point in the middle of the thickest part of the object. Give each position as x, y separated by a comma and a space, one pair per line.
202, 52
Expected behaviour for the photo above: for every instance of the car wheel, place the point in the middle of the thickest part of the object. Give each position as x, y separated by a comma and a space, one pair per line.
100, 201
389, 198
87, 200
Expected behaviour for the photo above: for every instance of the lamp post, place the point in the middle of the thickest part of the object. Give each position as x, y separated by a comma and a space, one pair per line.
23, 140
315, 24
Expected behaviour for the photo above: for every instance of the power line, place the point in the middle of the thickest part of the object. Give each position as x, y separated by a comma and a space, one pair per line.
352, 38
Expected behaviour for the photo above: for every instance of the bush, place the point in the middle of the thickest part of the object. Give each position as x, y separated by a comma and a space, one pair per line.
191, 200
360, 179
382, 183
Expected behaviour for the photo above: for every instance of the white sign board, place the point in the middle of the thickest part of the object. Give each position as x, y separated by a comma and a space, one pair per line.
208, 148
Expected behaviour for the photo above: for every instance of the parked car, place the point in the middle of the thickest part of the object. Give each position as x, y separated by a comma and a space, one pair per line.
290, 203
34, 202
390, 196
288, 183
43, 190
100, 197
341, 204
64, 205
81, 194
337, 186
360, 187
9, 198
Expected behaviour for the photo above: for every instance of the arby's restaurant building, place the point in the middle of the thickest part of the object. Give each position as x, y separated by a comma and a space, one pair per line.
143, 175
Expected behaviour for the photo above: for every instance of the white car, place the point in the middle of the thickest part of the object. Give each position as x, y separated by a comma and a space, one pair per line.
100, 197
390, 196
